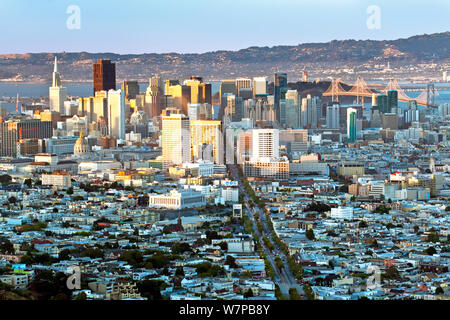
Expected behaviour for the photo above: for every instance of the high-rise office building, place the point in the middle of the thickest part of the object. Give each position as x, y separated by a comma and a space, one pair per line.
309, 112
116, 114
57, 93
200, 92
333, 116
242, 83
293, 95
175, 139
154, 97
227, 87
199, 111
392, 99
100, 113
279, 90
382, 103
86, 107
234, 109
259, 85
181, 95
390, 121
351, 124
104, 72
32, 129
265, 144
207, 141
244, 146
289, 113
8, 140
130, 89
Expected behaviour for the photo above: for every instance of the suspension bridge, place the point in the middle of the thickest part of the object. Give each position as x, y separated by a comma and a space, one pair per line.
361, 90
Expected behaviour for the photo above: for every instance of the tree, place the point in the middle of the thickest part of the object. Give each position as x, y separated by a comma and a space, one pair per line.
81, 296
310, 234
248, 293
69, 190
51, 286
179, 272
293, 294
151, 289
433, 237
374, 244
181, 247
6, 246
439, 290
231, 261
308, 292
362, 224
12, 200
64, 254
430, 251
206, 269
223, 245
392, 273
5, 179
28, 182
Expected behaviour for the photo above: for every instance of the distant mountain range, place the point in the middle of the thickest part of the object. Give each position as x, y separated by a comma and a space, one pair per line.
253, 61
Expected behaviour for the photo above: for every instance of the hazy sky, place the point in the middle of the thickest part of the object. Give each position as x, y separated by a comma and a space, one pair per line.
194, 26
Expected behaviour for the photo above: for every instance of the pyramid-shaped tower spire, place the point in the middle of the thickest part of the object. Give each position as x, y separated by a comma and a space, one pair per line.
55, 69
56, 78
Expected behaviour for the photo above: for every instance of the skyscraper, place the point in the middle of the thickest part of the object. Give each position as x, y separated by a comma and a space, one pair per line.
259, 85
175, 139
280, 88
181, 95
116, 114
57, 93
309, 111
153, 97
382, 103
351, 124
207, 133
289, 113
333, 116
227, 87
200, 92
392, 100
242, 83
130, 89
234, 108
104, 75
265, 144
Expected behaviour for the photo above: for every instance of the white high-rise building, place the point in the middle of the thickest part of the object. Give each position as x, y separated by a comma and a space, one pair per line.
57, 93
309, 111
259, 85
293, 95
116, 114
333, 116
175, 139
207, 140
265, 144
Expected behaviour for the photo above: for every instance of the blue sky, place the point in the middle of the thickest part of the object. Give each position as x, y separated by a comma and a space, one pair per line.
195, 26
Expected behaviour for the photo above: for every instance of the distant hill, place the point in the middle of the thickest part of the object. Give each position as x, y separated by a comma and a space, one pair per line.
251, 61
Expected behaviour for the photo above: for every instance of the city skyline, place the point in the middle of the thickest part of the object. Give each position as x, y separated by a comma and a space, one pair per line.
310, 172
